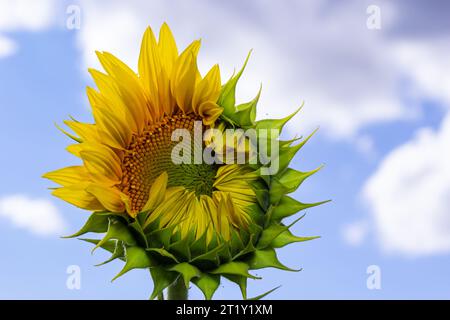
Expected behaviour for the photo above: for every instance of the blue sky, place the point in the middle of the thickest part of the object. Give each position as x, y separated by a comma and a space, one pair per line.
378, 96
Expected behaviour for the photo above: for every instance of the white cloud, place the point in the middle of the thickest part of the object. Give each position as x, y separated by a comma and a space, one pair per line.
38, 216
355, 233
347, 74
27, 15
409, 195
7, 47
23, 15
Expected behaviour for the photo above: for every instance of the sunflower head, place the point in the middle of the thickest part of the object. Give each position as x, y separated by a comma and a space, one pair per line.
161, 177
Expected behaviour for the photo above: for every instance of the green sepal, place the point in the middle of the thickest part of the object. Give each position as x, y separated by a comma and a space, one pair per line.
225, 253
241, 281
236, 268
266, 258
119, 231
264, 294
211, 255
208, 284
135, 258
181, 248
109, 245
164, 253
227, 97
245, 114
287, 237
161, 280
137, 227
287, 182
289, 206
97, 223
119, 253
71, 136
163, 235
198, 247
275, 123
248, 249
269, 234
187, 271
288, 152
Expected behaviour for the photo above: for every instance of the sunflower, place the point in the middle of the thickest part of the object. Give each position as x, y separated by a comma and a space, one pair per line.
187, 221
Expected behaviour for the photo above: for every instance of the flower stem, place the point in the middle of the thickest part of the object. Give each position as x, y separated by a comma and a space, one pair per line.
177, 290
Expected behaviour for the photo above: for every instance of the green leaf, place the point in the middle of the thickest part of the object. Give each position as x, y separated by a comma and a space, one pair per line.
97, 223
287, 237
135, 258
227, 98
241, 281
264, 294
236, 268
208, 284
289, 206
188, 272
117, 230
266, 258
161, 280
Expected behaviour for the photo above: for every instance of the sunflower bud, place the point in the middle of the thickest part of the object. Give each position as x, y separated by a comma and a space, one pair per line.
156, 200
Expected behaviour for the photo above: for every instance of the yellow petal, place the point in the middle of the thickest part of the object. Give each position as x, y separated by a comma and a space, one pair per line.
102, 163
86, 131
157, 192
74, 149
149, 67
78, 196
167, 48
113, 129
109, 197
68, 176
209, 111
184, 77
168, 208
208, 89
129, 87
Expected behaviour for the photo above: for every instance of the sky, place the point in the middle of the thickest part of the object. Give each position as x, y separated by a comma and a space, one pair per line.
374, 76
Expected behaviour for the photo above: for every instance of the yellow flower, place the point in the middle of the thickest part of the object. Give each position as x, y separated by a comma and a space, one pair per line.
126, 154
186, 221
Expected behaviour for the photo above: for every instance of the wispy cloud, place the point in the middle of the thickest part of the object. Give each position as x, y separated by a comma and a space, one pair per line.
38, 216
409, 195
23, 15
355, 233
7, 47
349, 76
